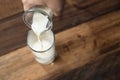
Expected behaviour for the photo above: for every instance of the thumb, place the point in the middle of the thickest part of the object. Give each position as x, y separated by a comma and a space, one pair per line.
56, 6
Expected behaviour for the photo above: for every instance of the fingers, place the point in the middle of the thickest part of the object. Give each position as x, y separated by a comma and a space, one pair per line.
27, 4
55, 5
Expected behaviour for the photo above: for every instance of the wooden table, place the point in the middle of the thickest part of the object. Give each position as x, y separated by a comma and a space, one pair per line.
13, 31
89, 51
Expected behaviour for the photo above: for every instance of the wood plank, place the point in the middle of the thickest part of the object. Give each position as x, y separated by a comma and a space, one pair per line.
9, 8
104, 67
17, 25
71, 16
15, 6
83, 3
13, 35
76, 48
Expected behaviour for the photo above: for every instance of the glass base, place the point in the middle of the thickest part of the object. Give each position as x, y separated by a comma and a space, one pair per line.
44, 61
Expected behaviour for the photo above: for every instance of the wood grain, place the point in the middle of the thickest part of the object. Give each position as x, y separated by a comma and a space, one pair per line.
71, 17
79, 52
9, 8
104, 67
13, 35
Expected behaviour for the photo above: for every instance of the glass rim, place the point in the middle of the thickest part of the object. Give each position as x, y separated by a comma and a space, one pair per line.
38, 10
42, 51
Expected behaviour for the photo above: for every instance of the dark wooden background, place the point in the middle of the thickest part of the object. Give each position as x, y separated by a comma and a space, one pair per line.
13, 34
13, 31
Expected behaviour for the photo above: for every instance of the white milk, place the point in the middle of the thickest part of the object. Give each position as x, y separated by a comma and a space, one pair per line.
46, 57
39, 23
46, 44
40, 40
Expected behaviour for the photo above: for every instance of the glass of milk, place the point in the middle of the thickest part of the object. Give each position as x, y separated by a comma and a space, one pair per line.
40, 38
43, 50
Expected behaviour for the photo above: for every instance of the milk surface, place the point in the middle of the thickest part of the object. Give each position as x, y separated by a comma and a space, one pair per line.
41, 45
46, 45
47, 56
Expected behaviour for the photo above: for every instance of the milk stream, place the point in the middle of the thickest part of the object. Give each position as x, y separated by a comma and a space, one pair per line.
40, 41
